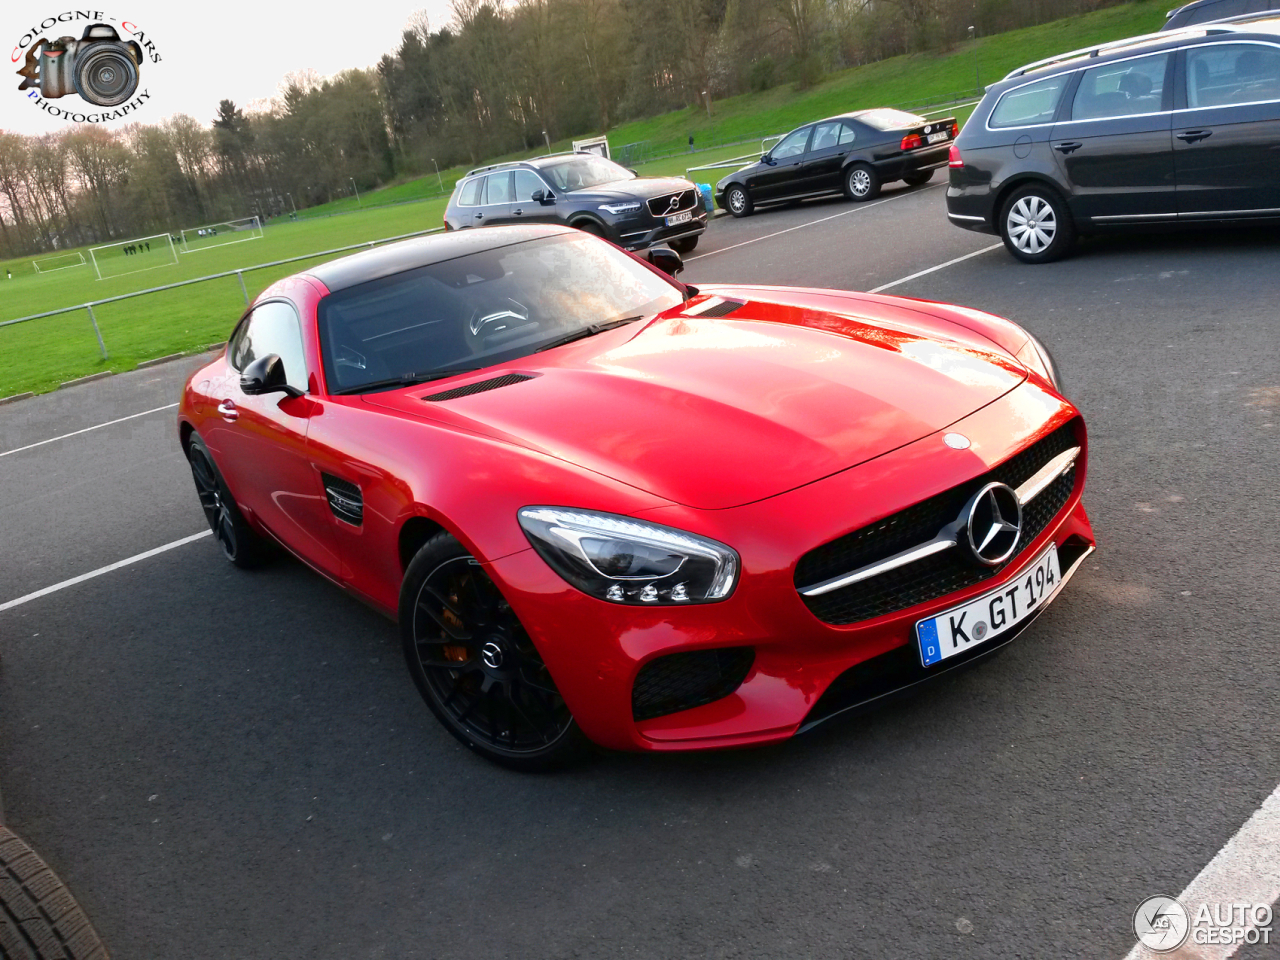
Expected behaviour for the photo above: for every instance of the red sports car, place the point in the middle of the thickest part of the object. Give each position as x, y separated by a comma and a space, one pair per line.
608, 507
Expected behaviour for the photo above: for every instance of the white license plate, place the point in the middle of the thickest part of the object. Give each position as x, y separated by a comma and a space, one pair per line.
680, 218
937, 137
991, 614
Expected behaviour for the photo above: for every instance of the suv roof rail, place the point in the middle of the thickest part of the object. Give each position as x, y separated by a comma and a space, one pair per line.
526, 163
1099, 49
495, 166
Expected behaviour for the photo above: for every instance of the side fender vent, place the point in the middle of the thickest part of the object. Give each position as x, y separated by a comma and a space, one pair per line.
479, 387
715, 307
345, 499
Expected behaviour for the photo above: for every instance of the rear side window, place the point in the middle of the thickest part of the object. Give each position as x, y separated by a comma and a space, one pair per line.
1229, 73
470, 196
1034, 103
846, 134
497, 188
1121, 89
826, 135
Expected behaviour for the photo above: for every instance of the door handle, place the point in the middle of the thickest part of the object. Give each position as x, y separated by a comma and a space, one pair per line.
479, 216
1071, 146
228, 410
1191, 136
518, 212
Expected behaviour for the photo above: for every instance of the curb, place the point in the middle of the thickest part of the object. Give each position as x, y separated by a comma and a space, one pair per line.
15, 398
88, 379
159, 360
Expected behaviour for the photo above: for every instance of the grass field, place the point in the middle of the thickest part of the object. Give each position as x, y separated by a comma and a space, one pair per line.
40, 354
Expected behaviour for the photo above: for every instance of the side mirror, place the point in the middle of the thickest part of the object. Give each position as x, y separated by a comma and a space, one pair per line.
768, 160
666, 260
632, 171
266, 375
542, 196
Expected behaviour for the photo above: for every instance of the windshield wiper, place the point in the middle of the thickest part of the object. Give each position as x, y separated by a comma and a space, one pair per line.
406, 380
588, 331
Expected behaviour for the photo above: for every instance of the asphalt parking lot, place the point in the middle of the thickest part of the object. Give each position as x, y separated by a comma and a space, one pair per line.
232, 765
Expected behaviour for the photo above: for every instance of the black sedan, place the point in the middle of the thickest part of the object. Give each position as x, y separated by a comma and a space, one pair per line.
855, 153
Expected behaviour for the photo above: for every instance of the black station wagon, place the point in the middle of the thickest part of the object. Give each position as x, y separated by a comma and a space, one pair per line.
1178, 127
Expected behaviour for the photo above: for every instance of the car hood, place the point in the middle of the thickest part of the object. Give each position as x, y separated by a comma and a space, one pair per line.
715, 412
641, 188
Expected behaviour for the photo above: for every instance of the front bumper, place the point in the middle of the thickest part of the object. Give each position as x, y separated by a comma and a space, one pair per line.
804, 670
642, 233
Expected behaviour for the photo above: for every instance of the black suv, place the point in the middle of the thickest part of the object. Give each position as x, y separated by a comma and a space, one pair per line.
1172, 128
581, 190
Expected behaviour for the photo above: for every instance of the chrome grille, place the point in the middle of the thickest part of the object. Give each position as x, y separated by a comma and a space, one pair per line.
663, 206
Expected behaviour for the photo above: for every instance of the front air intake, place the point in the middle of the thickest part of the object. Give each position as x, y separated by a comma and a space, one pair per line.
479, 386
691, 678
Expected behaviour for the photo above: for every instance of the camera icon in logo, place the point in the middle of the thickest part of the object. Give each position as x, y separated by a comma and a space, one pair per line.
1161, 924
100, 67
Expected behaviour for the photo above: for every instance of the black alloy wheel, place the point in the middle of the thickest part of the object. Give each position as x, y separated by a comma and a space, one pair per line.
738, 201
684, 245
477, 668
240, 544
591, 227
861, 183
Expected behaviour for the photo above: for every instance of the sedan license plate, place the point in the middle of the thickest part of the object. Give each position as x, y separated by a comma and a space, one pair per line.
680, 218
938, 137
991, 614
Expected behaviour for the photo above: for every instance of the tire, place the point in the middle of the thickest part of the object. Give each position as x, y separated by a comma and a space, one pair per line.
499, 700
861, 183
1036, 225
240, 543
738, 202
684, 245
591, 227
39, 919
918, 179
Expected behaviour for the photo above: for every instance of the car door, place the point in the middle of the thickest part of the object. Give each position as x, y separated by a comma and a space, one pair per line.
1116, 149
1226, 140
497, 208
524, 208
261, 441
831, 143
782, 174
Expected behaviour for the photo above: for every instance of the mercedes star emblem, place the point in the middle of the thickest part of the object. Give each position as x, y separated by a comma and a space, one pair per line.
992, 521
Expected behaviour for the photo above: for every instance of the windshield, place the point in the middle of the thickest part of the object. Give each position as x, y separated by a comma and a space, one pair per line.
481, 309
889, 119
583, 171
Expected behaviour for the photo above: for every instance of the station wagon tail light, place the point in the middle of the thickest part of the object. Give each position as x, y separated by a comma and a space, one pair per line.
954, 160
911, 141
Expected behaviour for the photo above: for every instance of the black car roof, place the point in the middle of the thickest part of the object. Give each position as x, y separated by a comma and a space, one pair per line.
1255, 23
423, 251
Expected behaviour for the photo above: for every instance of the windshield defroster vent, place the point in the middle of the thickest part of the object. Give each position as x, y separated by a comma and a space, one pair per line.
715, 307
478, 387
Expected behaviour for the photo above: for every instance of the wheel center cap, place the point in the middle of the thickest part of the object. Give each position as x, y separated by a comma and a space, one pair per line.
1031, 224
492, 655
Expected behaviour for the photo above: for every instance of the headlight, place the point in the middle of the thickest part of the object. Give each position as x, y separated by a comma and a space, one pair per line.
1037, 356
617, 208
629, 561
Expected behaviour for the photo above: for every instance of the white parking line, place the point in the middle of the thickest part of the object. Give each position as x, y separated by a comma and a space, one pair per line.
942, 266
1245, 871
76, 433
811, 223
101, 570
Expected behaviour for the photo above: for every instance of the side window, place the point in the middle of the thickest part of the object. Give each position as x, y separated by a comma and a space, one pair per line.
1227, 73
827, 135
1121, 89
497, 188
527, 182
272, 328
470, 196
1034, 103
846, 134
792, 144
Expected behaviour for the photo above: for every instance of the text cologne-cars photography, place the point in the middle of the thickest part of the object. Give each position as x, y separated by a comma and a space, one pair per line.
609, 508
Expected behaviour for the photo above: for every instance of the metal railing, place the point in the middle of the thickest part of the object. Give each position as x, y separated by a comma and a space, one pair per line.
238, 274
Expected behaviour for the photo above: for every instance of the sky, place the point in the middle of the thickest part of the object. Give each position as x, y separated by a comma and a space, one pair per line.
234, 49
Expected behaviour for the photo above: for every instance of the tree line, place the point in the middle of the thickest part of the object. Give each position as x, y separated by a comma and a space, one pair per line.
502, 75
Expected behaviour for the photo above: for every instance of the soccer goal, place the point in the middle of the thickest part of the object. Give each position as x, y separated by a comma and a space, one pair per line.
218, 234
133, 256
62, 261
